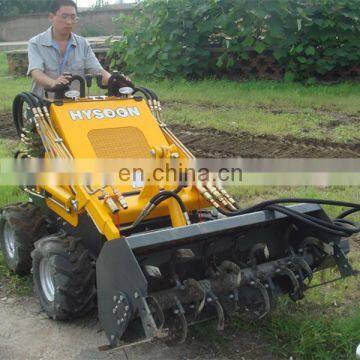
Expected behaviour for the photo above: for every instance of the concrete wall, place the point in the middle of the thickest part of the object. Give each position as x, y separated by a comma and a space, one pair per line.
91, 23
18, 61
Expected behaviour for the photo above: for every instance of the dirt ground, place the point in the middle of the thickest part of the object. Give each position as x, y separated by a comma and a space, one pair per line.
211, 143
7, 128
27, 333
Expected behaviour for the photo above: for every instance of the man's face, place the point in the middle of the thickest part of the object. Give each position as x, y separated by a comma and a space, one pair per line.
64, 20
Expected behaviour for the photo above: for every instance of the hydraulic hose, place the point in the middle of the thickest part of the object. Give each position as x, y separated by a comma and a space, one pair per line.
151, 92
328, 227
155, 201
17, 110
144, 92
337, 227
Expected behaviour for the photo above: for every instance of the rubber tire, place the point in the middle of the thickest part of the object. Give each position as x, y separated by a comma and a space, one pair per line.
27, 225
73, 277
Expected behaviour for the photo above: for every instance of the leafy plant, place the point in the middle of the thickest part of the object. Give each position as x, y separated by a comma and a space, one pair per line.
196, 38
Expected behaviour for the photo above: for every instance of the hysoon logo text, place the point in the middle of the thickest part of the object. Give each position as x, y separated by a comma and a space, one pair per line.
104, 113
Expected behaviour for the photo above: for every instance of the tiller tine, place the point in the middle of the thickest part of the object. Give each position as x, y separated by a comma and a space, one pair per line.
179, 328
265, 295
296, 292
214, 301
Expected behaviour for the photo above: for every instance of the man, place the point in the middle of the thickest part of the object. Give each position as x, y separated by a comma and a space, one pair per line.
58, 51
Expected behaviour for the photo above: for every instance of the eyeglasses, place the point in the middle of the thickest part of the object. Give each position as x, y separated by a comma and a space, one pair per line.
67, 17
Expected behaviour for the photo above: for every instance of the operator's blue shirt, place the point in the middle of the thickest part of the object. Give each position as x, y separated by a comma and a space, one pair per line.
44, 54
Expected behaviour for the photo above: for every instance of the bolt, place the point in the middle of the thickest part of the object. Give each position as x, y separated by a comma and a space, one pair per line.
125, 315
121, 298
114, 310
115, 298
136, 295
118, 322
122, 320
192, 306
112, 337
126, 308
301, 250
209, 300
277, 270
266, 285
176, 311
252, 282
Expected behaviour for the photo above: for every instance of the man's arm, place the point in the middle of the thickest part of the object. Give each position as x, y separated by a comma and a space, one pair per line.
36, 68
105, 76
93, 65
47, 82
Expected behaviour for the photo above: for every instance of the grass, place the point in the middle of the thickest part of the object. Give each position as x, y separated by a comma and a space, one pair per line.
11, 284
10, 86
269, 94
264, 107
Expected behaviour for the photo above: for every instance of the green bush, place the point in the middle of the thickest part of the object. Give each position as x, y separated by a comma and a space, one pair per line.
197, 38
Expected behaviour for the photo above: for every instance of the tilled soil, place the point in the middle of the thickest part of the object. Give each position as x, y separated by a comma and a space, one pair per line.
211, 143
7, 127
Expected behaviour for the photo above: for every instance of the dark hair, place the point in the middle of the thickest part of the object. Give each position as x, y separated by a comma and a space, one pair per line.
57, 4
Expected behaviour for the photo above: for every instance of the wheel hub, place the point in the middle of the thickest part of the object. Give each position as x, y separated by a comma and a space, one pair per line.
9, 240
46, 279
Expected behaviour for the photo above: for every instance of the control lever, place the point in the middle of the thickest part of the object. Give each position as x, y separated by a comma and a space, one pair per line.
99, 83
59, 90
88, 79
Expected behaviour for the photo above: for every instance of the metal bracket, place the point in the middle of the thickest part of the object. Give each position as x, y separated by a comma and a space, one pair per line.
147, 320
342, 262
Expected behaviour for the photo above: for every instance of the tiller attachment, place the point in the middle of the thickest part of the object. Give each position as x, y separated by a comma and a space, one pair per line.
161, 282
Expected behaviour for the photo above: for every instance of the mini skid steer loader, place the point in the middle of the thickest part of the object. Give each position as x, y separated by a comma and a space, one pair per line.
153, 258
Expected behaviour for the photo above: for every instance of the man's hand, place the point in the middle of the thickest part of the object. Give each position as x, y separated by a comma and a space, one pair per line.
61, 80
47, 82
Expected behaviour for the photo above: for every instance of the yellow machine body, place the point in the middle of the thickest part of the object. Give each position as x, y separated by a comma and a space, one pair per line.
116, 128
